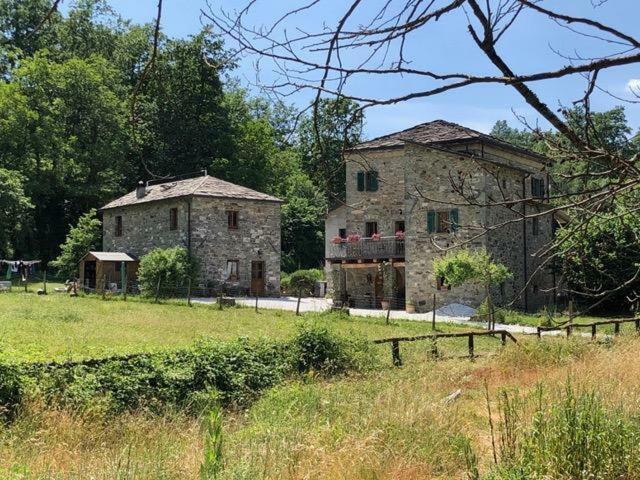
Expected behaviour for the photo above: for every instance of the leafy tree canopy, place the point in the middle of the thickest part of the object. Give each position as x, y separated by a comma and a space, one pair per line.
83, 238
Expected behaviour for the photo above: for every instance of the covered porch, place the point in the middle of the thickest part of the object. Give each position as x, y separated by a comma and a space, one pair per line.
369, 285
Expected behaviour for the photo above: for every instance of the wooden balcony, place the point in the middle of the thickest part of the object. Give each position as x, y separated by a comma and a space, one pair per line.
366, 248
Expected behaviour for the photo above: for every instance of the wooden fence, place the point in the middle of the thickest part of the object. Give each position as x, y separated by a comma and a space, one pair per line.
395, 342
593, 326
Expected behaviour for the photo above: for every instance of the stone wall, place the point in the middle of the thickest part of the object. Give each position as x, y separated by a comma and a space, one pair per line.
145, 226
384, 206
257, 238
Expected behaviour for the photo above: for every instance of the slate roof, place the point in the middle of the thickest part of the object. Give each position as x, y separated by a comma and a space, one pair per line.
437, 132
205, 186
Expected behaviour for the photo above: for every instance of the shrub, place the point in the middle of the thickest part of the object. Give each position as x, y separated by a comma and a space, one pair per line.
499, 315
232, 374
301, 280
169, 266
316, 349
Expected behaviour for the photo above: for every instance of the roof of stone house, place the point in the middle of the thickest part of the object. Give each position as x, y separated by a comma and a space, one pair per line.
205, 186
438, 132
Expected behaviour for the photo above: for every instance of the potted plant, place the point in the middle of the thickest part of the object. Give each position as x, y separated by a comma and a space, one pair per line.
353, 237
410, 307
376, 236
399, 235
337, 239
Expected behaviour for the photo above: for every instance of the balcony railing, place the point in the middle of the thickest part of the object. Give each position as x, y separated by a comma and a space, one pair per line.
367, 248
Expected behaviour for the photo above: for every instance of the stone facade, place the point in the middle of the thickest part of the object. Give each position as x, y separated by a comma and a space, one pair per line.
202, 228
415, 179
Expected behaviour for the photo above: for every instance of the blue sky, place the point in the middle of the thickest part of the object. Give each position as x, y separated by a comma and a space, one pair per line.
445, 46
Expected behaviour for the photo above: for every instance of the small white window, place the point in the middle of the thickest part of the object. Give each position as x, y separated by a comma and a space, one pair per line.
232, 270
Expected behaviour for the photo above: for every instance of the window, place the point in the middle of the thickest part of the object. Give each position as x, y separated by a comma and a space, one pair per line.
535, 225
232, 219
232, 270
399, 226
371, 228
442, 221
537, 187
367, 181
535, 289
342, 233
173, 219
118, 226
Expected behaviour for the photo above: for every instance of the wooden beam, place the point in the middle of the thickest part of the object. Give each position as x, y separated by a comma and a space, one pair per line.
359, 265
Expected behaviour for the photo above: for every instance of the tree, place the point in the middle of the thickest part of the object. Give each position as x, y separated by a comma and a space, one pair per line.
465, 266
14, 206
335, 125
600, 261
86, 236
163, 271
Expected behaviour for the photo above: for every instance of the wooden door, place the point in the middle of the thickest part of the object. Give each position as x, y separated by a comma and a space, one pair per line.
90, 274
257, 277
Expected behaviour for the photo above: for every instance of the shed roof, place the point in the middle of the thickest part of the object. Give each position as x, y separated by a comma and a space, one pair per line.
205, 186
110, 256
439, 132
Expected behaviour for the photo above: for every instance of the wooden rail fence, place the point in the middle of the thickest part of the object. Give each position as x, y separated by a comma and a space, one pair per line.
593, 325
395, 342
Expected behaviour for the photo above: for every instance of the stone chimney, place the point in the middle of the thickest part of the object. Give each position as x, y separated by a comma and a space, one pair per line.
141, 190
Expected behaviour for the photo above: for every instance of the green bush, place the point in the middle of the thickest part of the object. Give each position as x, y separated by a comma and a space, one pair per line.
301, 280
316, 349
171, 267
232, 374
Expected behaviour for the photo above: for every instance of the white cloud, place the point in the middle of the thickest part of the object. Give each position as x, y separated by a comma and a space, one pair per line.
633, 85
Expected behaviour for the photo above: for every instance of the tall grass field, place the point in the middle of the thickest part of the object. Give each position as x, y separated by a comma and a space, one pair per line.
302, 398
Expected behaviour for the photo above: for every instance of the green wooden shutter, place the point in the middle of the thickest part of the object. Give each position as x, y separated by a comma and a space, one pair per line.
373, 181
453, 219
431, 221
361, 181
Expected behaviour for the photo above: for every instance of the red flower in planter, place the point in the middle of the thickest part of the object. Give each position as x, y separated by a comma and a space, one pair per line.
353, 237
400, 235
376, 236
337, 240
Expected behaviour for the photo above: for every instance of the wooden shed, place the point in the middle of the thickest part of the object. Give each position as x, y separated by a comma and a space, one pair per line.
112, 269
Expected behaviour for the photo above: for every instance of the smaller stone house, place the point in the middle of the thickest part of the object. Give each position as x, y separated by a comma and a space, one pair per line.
232, 231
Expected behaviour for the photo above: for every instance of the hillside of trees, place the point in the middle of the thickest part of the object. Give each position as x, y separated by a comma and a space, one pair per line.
80, 124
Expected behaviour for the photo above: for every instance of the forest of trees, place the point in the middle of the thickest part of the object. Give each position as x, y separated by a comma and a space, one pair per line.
79, 126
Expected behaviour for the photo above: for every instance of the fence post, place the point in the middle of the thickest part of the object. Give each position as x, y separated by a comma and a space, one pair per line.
256, 302
471, 345
388, 314
594, 328
539, 333
637, 322
189, 291
570, 312
104, 287
434, 348
298, 304
44, 282
124, 285
569, 330
395, 353
503, 338
616, 328
433, 313
220, 300
158, 289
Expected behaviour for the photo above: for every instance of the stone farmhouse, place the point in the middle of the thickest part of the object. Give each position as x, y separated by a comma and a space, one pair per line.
233, 231
413, 194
